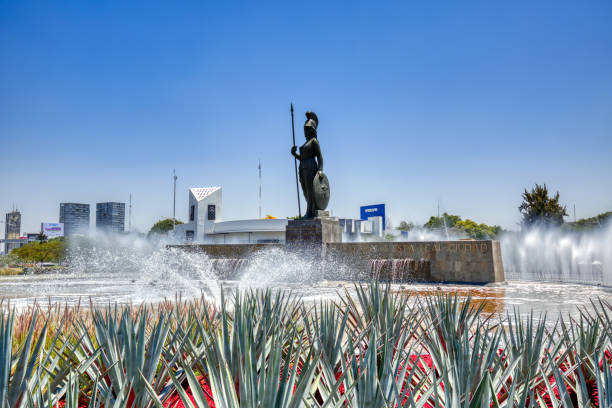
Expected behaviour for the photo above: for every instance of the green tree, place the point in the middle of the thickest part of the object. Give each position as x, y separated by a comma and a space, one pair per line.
477, 231
9, 259
466, 227
163, 226
538, 208
591, 223
405, 226
446, 220
52, 251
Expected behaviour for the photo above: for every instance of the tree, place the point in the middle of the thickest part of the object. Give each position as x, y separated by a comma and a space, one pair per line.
446, 220
467, 227
591, 223
9, 259
41, 237
477, 231
538, 209
163, 226
405, 226
52, 251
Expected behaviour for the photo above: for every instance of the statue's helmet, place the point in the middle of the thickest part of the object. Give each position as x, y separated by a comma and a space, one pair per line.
312, 116
312, 122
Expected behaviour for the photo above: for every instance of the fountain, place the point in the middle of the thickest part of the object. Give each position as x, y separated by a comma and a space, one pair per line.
308, 256
561, 256
127, 269
399, 270
447, 261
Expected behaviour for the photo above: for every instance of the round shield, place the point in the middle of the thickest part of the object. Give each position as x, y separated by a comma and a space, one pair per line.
321, 191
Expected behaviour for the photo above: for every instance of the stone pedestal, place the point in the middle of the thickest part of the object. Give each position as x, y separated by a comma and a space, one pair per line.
316, 231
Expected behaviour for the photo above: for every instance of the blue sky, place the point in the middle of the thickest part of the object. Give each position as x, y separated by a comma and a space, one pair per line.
461, 103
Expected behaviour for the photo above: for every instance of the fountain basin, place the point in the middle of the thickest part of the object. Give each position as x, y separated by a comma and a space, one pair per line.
434, 261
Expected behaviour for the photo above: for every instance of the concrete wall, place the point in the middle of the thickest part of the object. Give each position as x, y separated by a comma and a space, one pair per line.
450, 261
315, 231
447, 261
227, 251
246, 237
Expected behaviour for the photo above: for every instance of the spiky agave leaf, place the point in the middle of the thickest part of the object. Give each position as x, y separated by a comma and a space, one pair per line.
603, 378
379, 373
377, 305
525, 341
126, 350
272, 371
18, 372
463, 349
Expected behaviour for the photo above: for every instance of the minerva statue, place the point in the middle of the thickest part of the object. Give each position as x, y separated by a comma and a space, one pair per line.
315, 185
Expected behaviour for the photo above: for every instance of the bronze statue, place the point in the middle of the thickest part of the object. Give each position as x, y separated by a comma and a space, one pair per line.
316, 192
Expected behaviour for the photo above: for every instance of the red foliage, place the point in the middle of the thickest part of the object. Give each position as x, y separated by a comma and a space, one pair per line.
175, 400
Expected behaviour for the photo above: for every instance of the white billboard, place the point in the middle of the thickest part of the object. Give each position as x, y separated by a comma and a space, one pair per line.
53, 229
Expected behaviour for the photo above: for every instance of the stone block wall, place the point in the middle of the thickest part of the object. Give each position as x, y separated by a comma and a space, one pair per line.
440, 261
313, 231
226, 251
450, 261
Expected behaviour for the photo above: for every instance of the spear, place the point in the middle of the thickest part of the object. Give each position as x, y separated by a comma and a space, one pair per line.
297, 188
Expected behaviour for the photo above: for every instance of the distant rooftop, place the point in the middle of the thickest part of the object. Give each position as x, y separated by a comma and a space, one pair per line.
202, 193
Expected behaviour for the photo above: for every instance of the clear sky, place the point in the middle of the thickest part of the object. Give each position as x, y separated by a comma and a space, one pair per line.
462, 103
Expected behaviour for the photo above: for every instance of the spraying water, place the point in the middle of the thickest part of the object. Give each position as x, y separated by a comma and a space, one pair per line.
122, 269
128, 268
540, 254
557, 255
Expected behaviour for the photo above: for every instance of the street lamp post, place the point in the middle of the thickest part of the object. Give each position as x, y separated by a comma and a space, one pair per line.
174, 202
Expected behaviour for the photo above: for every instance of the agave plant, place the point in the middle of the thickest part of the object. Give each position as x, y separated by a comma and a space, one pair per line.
377, 305
328, 328
465, 352
39, 366
603, 378
575, 370
527, 342
38, 399
379, 374
265, 348
16, 373
128, 356
259, 358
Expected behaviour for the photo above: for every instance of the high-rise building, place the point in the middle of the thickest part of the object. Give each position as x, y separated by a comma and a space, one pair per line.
75, 217
110, 216
12, 231
12, 228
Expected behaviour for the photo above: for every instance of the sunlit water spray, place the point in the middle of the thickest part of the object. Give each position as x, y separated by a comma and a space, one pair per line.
118, 268
556, 255
552, 255
130, 269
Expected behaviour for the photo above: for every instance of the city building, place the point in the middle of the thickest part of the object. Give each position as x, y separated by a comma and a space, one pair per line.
12, 227
12, 231
10, 244
110, 216
75, 217
376, 214
206, 226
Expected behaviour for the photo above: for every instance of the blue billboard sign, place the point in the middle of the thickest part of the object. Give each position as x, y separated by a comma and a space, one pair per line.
376, 210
